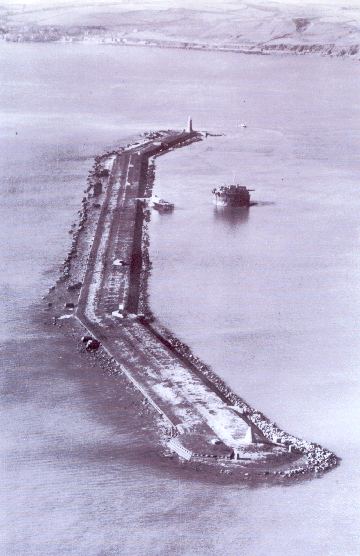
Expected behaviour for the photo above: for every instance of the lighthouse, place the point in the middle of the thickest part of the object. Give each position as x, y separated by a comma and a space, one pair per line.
189, 127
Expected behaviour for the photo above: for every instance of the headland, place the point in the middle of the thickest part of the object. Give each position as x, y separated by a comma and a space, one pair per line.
102, 296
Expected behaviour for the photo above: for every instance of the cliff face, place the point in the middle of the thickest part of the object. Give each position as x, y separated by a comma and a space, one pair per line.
280, 26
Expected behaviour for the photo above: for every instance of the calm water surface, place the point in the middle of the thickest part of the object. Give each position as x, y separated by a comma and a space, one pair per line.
270, 298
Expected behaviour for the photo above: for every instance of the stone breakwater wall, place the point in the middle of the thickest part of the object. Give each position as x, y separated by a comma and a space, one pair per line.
318, 459
144, 302
99, 173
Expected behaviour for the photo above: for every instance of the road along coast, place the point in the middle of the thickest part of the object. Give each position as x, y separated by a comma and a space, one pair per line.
102, 292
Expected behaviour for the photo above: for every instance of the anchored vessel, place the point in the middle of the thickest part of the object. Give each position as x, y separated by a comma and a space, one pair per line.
232, 196
162, 205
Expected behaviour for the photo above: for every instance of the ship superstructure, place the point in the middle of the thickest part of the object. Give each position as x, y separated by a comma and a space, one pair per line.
232, 195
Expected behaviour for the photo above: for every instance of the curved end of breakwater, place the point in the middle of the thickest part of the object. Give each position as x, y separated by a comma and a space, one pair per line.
102, 292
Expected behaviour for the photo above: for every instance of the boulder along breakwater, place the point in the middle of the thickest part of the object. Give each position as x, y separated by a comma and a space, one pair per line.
102, 295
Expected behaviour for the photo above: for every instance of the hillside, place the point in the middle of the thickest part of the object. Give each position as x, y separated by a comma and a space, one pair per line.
258, 26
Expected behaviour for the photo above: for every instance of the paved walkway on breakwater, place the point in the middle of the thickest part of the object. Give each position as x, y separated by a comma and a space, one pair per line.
204, 422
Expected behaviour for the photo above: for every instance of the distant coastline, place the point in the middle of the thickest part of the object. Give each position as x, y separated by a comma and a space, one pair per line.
93, 37
258, 27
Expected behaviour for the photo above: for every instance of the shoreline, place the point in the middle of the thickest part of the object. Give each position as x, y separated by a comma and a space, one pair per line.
328, 50
313, 458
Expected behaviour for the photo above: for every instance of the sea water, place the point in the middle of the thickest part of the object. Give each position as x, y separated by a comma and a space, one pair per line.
269, 297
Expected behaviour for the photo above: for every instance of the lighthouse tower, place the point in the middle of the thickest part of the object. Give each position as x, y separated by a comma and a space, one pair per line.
189, 127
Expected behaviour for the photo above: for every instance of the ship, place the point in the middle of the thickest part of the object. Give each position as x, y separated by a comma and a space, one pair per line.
232, 196
162, 205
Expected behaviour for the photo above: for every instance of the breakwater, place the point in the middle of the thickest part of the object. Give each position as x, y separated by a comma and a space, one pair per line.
104, 284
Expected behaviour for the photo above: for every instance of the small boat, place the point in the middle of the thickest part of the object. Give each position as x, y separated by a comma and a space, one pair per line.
161, 204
